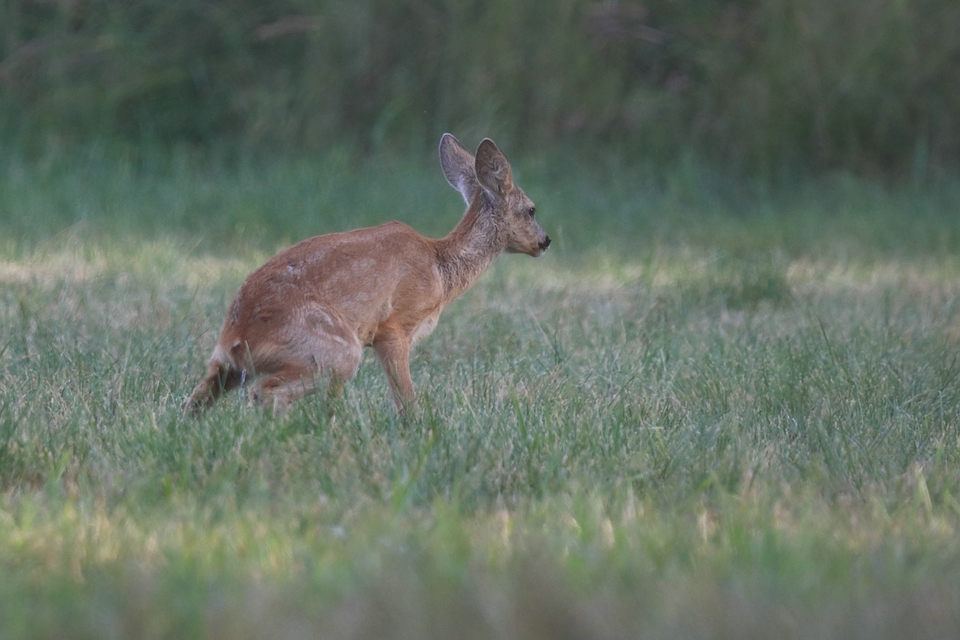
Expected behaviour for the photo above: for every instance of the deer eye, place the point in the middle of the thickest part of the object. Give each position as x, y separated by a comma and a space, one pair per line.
532, 211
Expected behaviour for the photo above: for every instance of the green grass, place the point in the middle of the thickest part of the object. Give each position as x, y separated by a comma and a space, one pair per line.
709, 411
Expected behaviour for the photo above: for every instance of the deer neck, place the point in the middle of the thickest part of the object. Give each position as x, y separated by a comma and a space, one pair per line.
468, 250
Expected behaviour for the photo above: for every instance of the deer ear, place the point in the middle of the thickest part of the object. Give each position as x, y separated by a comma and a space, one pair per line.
457, 164
493, 170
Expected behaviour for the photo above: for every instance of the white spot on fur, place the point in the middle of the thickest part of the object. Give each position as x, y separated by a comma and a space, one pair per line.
425, 328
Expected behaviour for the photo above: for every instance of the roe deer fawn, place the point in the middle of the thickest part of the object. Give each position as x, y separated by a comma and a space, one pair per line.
309, 311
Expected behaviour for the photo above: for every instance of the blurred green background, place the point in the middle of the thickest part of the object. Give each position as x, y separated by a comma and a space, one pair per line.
759, 86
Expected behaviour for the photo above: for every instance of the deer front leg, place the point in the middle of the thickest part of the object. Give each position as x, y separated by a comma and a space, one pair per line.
394, 355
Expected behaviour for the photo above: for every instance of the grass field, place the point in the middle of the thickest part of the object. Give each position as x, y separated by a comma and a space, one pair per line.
711, 410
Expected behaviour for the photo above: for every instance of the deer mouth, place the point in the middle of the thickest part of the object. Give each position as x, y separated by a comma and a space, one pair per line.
536, 253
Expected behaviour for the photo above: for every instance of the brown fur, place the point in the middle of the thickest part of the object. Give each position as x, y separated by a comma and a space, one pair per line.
309, 311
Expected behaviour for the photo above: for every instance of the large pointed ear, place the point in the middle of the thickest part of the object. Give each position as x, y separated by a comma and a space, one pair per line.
493, 170
457, 164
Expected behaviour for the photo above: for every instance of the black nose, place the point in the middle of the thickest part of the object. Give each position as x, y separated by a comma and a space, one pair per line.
545, 243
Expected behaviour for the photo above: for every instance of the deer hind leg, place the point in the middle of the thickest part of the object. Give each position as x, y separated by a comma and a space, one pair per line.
319, 347
280, 389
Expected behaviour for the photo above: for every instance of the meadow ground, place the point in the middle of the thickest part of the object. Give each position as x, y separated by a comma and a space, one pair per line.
709, 411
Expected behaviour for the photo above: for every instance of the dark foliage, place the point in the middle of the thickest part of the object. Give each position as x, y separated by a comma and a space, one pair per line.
863, 85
